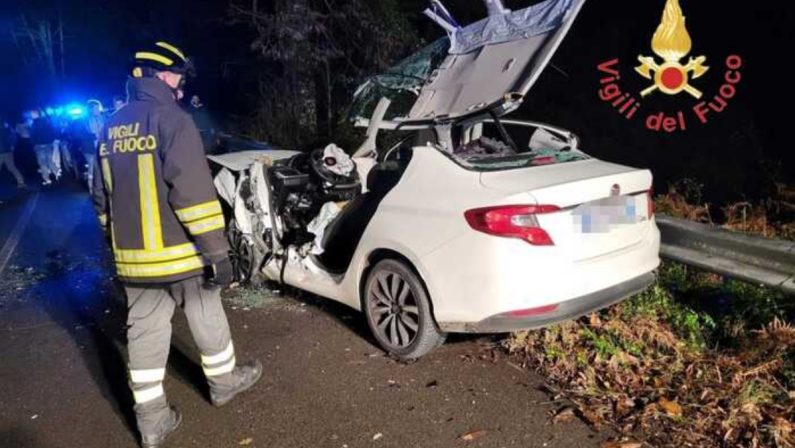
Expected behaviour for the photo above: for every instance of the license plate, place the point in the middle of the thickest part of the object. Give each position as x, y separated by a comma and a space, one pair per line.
606, 214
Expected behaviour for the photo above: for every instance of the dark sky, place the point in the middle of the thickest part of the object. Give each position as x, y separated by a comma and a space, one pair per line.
754, 127
734, 152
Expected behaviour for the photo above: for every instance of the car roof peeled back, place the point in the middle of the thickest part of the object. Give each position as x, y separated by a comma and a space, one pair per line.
492, 63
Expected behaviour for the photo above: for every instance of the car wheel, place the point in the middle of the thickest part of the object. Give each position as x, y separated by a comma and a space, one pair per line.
243, 256
398, 311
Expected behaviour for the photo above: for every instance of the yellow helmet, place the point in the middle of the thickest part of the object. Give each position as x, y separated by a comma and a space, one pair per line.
162, 57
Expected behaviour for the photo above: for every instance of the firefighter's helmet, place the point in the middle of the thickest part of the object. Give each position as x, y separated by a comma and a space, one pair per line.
162, 57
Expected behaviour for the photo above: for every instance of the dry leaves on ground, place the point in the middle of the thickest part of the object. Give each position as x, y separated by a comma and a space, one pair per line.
473, 435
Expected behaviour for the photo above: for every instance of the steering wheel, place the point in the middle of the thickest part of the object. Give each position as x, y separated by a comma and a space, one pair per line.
319, 167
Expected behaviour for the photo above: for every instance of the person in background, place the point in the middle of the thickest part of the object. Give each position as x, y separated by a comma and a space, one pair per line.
58, 146
95, 123
65, 145
25, 155
96, 119
42, 134
7, 143
196, 102
118, 103
22, 128
204, 122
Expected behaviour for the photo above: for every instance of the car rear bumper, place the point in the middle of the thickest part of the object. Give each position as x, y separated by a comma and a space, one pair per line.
565, 310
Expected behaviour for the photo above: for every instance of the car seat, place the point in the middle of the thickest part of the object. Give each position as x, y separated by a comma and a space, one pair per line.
343, 235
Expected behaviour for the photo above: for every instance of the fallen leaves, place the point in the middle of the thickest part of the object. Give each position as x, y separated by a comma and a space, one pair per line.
624, 406
246, 441
621, 445
564, 415
638, 373
473, 435
671, 408
762, 369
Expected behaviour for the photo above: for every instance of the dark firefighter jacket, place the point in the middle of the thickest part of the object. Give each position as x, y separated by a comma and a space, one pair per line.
153, 190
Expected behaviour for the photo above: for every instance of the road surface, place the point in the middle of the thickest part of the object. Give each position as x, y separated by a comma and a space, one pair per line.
63, 379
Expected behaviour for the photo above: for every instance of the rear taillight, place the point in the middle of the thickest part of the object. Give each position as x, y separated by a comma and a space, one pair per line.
650, 203
512, 221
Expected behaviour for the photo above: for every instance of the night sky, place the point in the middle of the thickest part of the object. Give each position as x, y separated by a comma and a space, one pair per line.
736, 153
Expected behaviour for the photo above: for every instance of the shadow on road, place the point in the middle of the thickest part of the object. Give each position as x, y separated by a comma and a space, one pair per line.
80, 297
79, 293
18, 438
356, 322
83, 299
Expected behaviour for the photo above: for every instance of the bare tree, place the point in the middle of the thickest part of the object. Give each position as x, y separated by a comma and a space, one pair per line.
313, 53
40, 39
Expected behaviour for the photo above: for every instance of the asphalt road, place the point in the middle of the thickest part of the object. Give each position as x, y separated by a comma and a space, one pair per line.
63, 379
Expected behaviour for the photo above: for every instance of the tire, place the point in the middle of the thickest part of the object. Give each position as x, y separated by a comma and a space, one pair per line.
398, 311
243, 255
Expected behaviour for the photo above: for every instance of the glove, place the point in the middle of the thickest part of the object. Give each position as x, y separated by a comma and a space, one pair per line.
223, 272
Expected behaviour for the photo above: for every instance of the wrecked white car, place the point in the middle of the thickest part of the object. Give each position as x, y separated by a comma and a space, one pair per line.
472, 222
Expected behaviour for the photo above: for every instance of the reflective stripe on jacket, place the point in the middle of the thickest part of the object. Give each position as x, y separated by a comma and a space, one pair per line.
153, 190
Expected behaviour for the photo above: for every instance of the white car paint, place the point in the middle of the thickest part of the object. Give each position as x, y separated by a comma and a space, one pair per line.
472, 276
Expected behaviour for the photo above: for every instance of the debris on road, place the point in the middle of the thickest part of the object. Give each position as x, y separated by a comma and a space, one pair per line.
251, 297
621, 445
15, 279
473, 435
564, 415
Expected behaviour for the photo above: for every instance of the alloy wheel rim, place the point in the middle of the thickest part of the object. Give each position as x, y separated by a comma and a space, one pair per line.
393, 310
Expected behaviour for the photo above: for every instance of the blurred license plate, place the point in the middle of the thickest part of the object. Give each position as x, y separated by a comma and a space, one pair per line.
606, 214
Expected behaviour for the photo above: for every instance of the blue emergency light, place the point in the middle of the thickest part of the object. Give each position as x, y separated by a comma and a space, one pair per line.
75, 111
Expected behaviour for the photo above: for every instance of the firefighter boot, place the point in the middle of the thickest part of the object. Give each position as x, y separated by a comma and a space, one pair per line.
222, 390
154, 436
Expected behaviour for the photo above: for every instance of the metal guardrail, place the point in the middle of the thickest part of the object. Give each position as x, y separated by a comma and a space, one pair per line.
745, 257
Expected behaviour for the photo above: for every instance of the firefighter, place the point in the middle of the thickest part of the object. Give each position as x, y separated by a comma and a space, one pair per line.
154, 196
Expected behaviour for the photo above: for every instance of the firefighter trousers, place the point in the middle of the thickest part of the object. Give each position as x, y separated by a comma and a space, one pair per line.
150, 310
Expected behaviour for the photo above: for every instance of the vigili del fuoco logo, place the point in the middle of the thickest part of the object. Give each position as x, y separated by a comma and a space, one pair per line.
669, 75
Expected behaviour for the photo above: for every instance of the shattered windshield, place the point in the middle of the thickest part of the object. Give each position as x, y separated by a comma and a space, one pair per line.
401, 84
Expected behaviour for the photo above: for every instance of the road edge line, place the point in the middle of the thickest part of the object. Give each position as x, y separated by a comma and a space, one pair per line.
13, 239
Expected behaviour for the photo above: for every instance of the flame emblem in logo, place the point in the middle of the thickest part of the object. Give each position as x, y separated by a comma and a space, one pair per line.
672, 42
